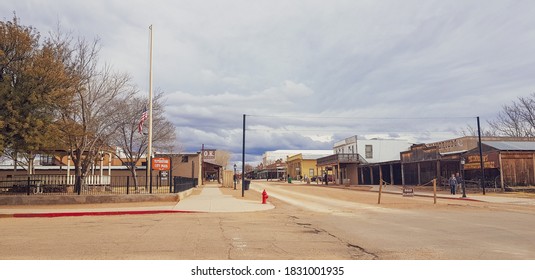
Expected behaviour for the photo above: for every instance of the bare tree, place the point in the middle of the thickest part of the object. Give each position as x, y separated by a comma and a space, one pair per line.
131, 143
472, 131
92, 118
517, 119
222, 158
248, 168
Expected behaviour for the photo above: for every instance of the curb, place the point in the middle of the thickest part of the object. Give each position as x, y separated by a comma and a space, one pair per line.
106, 213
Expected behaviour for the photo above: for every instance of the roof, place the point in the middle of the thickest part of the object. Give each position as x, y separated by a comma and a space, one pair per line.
316, 156
453, 153
511, 145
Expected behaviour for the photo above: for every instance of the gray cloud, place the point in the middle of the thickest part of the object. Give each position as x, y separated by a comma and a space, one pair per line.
375, 66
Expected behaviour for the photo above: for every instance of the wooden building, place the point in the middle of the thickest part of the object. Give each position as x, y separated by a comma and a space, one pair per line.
506, 163
424, 162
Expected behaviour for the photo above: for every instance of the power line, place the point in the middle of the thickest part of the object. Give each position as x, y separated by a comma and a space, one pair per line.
360, 118
352, 131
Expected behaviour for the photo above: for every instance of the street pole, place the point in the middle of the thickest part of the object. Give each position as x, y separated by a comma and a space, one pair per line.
481, 157
243, 160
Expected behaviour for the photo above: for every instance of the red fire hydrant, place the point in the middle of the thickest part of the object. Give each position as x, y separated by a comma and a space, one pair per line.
264, 197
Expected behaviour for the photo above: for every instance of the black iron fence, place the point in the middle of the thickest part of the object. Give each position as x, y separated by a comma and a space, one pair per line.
183, 184
114, 185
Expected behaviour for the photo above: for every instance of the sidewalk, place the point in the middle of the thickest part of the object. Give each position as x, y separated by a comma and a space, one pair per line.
491, 197
210, 199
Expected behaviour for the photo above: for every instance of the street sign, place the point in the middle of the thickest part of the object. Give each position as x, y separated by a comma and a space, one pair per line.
161, 164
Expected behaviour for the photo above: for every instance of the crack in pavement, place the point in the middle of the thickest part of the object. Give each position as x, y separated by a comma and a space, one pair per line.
317, 230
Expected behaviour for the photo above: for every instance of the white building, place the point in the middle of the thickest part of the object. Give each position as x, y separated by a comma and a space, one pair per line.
372, 150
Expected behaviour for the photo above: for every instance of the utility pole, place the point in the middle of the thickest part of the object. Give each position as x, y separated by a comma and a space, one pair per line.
243, 160
149, 148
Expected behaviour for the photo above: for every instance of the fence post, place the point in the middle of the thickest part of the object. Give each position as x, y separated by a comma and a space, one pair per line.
78, 183
28, 185
435, 191
150, 182
128, 185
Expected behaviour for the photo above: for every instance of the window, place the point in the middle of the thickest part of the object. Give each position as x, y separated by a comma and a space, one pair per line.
311, 172
185, 158
46, 160
369, 151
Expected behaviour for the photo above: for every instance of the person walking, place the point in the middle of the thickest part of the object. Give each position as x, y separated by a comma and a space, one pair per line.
453, 184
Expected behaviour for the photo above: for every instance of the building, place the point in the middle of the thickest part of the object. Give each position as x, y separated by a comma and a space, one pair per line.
303, 165
506, 163
365, 161
425, 162
273, 171
270, 157
381, 150
343, 163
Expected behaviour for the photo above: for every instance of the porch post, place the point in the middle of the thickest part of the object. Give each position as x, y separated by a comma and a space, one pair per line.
501, 170
101, 166
391, 174
419, 176
357, 174
439, 174
402, 174
109, 165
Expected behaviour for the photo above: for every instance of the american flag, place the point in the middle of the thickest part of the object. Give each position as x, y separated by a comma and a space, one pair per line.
144, 117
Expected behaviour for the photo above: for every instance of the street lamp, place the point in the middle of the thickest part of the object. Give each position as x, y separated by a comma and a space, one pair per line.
234, 176
463, 185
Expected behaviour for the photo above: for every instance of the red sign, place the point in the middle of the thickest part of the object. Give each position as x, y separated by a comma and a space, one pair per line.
161, 164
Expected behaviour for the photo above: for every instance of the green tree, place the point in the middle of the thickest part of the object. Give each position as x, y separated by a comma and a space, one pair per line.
34, 86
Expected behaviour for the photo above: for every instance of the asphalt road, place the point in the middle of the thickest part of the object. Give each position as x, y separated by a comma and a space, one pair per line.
415, 228
308, 222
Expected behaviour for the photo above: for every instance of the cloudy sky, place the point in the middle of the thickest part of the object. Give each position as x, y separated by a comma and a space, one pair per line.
308, 73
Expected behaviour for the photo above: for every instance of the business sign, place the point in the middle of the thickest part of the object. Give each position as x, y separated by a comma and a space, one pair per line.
490, 161
161, 164
208, 155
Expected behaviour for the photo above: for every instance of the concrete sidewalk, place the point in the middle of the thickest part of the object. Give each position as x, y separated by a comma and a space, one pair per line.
492, 198
210, 199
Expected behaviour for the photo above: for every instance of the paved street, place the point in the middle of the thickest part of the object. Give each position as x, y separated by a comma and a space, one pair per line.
301, 222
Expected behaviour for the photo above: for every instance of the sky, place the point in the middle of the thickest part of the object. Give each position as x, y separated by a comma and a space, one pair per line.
309, 73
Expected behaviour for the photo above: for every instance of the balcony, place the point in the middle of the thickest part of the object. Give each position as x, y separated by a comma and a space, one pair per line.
338, 158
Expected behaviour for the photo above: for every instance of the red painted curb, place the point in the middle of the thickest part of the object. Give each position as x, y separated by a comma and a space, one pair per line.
108, 213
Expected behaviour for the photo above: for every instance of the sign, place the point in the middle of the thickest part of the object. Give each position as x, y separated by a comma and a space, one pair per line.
408, 191
161, 164
164, 175
208, 155
490, 161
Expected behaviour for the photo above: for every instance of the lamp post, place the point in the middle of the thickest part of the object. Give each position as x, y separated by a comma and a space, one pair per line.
463, 180
235, 177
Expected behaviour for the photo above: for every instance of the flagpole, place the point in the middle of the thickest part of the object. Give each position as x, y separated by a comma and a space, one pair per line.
149, 149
